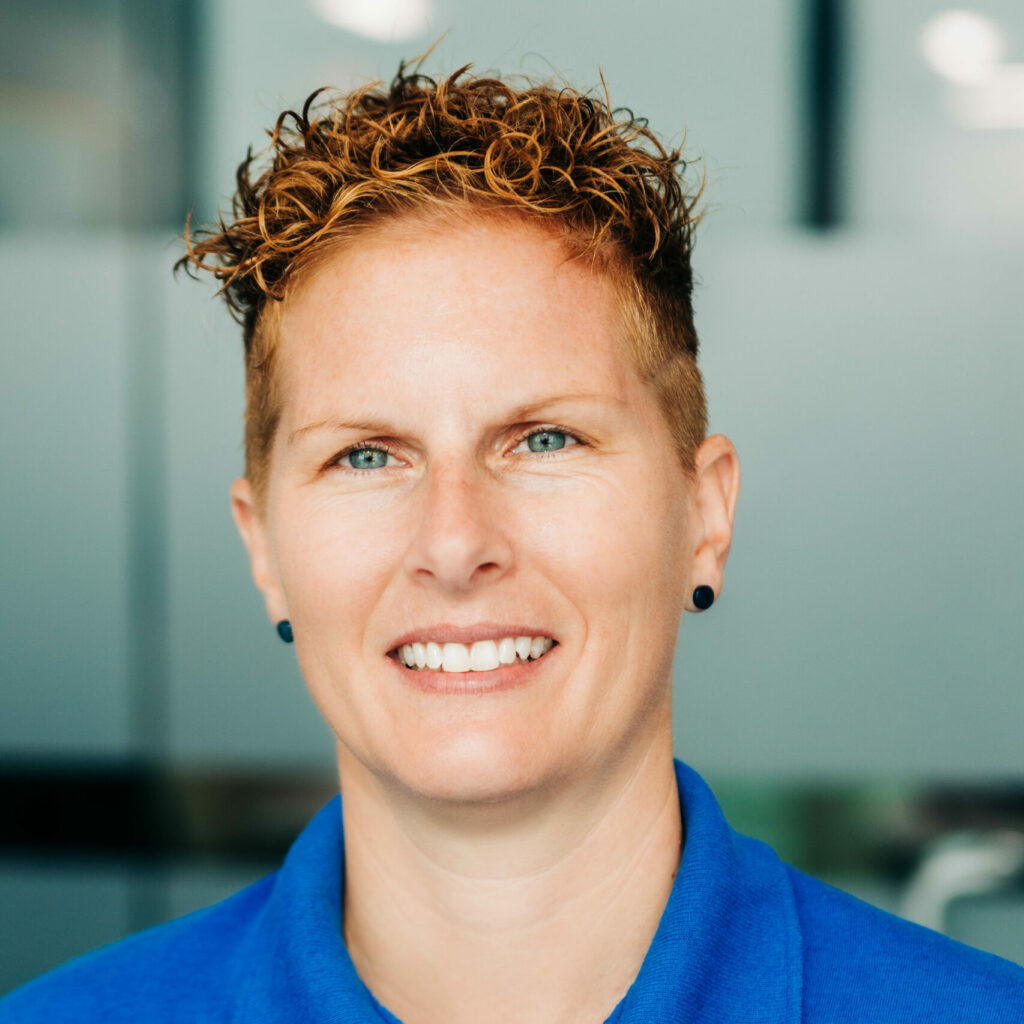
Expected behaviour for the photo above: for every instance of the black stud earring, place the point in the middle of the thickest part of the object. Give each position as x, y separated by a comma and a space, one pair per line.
703, 597
284, 631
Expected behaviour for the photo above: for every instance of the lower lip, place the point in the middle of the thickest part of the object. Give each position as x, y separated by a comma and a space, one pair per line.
505, 677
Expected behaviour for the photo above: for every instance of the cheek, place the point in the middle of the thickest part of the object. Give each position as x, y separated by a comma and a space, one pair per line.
617, 549
333, 564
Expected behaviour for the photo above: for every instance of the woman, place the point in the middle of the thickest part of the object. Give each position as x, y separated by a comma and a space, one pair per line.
478, 498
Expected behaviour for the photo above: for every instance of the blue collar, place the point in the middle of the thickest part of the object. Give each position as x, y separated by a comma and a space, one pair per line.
728, 946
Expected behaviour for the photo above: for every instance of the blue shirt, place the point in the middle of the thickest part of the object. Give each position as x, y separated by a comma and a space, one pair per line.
743, 939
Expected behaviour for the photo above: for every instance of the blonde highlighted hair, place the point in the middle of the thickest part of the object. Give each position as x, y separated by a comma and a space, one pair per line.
562, 159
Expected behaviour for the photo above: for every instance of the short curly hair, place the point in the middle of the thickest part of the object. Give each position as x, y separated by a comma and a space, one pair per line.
562, 159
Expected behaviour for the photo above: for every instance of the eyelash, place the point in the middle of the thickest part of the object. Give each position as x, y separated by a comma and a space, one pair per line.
335, 462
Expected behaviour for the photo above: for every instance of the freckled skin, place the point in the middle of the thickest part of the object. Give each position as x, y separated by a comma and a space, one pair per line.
442, 334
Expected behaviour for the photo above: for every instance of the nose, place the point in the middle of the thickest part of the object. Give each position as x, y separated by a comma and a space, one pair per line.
459, 540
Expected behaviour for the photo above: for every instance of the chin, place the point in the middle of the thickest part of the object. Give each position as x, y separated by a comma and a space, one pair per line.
474, 767
475, 748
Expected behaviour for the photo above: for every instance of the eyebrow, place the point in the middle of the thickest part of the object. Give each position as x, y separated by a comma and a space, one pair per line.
375, 426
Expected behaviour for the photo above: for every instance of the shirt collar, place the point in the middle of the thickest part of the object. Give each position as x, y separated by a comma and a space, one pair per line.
727, 948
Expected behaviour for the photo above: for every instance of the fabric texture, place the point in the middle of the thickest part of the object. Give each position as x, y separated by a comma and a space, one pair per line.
743, 939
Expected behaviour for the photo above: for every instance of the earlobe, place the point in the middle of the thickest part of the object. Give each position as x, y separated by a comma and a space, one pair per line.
251, 526
717, 490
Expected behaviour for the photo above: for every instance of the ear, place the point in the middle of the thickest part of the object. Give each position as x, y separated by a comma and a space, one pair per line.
253, 527
717, 488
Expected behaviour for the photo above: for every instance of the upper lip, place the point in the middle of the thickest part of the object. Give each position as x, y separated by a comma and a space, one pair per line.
445, 632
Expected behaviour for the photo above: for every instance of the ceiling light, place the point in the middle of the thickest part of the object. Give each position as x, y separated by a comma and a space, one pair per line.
384, 21
963, 46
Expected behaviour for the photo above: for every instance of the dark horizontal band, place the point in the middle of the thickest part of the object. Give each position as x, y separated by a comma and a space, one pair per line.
136, 809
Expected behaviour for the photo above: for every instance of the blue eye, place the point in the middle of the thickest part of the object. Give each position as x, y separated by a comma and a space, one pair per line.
367, 458
547, 440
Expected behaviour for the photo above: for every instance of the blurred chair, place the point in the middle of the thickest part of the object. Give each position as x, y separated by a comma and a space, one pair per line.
970, 885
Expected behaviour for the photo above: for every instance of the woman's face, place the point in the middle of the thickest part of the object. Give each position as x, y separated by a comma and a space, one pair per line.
465, 453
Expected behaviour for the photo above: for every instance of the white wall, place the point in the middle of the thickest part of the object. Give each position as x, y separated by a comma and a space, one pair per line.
64, 614
870, 619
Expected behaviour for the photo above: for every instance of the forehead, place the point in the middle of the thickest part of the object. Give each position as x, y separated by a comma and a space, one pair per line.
464, 306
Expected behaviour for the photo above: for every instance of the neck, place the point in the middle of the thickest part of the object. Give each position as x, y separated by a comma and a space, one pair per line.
542, 915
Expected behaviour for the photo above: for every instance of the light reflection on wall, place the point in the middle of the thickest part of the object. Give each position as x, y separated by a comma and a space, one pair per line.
967, 49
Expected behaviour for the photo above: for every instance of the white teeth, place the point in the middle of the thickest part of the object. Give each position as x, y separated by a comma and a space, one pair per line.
455, 658
482, 656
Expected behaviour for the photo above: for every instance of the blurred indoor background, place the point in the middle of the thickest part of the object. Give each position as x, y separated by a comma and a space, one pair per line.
855, 697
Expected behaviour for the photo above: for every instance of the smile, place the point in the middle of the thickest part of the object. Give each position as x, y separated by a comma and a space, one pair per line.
482, 656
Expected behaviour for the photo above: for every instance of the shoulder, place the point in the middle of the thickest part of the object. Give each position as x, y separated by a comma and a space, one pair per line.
176, 971
862, 964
